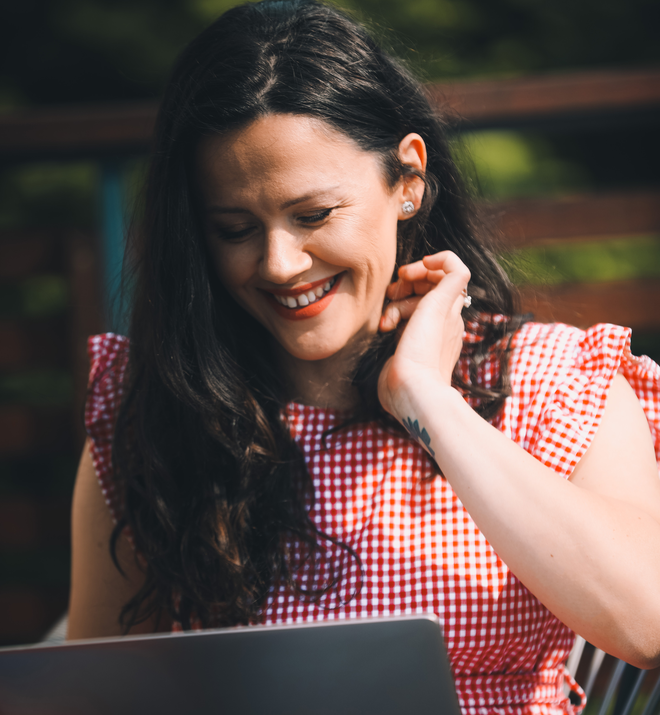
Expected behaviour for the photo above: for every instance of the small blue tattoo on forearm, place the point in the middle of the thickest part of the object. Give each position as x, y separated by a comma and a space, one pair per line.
421, 435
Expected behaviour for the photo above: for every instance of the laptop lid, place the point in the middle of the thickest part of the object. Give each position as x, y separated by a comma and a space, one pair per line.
374, 666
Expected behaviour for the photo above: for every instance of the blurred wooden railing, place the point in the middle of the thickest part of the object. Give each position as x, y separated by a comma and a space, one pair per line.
526, 223
41, 438
553, 101
32, 435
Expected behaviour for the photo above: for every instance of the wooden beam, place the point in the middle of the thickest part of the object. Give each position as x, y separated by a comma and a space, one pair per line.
30, 430
112, 130
526, 222
117, 130
26, 523
559, 95
634, 304
24, 253
35, 343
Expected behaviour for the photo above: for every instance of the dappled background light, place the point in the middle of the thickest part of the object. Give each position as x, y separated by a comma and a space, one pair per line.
57, 53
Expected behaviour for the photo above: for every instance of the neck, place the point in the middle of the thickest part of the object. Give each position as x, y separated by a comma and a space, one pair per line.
321, 383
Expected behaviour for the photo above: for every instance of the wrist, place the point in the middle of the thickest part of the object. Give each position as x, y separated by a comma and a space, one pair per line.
421, 395
427, 414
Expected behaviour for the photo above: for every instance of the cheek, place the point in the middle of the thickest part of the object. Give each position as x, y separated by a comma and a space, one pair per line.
368, 239
378, 247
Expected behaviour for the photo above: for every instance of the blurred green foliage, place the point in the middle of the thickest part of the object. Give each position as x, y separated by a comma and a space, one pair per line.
68, 51
606, 260
35, 297
37, 387
49, 194
72, 51
499, 164
56, 51
64, 51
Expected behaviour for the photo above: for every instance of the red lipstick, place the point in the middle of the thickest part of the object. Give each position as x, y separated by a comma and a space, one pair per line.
304, 288
308, 311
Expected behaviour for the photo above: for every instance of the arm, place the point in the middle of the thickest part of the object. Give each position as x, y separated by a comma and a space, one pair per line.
587, 548
98, 590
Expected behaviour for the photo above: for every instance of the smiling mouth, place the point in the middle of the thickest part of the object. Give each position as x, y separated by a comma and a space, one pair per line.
307, 298
306, 304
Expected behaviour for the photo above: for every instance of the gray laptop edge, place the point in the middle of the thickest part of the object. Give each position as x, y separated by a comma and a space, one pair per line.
371, 666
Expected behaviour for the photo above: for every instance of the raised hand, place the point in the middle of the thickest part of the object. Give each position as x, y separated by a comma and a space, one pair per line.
428, 297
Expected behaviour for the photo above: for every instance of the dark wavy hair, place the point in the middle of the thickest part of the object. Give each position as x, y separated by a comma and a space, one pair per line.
215, 491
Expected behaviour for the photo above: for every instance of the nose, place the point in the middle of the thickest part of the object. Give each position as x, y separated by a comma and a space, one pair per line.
284, 257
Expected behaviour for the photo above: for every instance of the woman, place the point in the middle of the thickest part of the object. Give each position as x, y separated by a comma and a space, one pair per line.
300, 292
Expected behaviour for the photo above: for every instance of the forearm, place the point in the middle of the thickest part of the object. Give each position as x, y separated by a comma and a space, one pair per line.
98, 589
592, 560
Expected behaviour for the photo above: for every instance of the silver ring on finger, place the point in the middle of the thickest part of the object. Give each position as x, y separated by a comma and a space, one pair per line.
467, 299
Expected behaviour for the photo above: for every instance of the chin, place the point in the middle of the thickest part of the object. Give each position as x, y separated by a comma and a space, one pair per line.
311, 353
313, 349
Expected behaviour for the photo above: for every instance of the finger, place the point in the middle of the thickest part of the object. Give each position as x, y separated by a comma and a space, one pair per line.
404, 289
418, 271
456, 280
399, 289
449, 262
418, 282
423, 287
409, 266
459, 304
438, 260
397, 312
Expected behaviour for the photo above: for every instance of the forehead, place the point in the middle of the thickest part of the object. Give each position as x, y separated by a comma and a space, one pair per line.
284, 151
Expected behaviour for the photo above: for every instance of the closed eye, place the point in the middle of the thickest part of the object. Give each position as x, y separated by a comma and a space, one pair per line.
316, 218
236, 234
227, 235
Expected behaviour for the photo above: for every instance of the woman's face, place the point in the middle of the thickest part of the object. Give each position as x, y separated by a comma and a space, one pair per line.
302, 229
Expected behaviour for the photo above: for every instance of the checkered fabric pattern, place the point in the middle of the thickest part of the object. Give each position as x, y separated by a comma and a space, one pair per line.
420, 550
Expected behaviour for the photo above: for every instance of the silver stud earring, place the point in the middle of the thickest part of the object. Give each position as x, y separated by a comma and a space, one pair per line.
408, 207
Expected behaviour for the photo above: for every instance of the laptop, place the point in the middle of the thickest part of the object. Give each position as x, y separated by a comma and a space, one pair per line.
373, 666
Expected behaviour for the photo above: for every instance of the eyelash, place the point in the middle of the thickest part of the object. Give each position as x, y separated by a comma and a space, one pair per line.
316, 217
233, 235
307, 220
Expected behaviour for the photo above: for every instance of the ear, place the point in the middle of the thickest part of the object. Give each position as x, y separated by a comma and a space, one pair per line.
412, 152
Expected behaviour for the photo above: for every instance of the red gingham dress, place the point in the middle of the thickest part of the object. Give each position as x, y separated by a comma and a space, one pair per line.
421, 552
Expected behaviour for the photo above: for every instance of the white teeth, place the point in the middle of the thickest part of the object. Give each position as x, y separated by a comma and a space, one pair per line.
305, 299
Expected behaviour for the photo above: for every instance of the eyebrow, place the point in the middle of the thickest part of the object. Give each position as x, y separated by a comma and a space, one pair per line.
285, 205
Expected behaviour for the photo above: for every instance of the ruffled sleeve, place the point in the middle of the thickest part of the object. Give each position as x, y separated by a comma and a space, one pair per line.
560, 379
108, 355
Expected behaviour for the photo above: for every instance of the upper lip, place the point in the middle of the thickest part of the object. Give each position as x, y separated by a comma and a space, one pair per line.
298, 290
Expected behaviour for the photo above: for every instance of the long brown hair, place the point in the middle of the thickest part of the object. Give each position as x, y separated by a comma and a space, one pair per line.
214, 488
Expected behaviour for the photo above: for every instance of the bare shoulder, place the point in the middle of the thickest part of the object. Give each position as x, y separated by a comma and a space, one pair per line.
620, 461
98, 589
